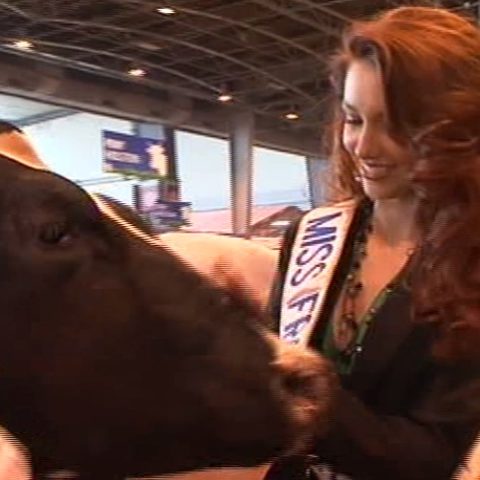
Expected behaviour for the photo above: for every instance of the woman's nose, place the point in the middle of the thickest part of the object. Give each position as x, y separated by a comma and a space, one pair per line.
368, 144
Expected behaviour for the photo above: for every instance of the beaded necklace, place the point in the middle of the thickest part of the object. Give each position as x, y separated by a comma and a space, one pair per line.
345, 328
345, 334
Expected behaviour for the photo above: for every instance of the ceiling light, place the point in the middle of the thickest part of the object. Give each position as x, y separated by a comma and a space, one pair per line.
224, 97
166, 11
137, 72
292, 116
23, 44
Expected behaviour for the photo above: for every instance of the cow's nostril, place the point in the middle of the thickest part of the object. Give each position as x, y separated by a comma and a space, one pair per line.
296, 384
308, 388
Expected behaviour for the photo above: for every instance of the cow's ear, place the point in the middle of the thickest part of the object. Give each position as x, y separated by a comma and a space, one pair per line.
17, 146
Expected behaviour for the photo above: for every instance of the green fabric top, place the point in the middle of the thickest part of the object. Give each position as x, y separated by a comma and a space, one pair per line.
345, 361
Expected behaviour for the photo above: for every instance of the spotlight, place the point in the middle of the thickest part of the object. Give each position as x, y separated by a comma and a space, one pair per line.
292, 116
225, 98
166, 11
23, 44
137, 72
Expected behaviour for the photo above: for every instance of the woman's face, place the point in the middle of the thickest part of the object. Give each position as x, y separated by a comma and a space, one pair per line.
383, 163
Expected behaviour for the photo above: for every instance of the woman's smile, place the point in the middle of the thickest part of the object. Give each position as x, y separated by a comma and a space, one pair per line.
376, 170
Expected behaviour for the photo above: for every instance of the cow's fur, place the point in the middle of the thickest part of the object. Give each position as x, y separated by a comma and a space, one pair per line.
227, 261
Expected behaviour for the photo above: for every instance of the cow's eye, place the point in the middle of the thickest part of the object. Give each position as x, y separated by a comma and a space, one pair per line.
54, 233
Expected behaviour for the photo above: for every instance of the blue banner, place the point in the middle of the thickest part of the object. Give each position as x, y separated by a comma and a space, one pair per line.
134, 155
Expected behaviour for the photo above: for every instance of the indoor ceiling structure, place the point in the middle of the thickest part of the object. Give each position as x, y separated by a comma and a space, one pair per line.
268, 56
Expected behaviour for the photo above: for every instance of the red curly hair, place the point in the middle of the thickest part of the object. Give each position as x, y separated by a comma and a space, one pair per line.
430, 64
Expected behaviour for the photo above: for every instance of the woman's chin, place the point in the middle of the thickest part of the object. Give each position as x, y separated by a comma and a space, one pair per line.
384, 190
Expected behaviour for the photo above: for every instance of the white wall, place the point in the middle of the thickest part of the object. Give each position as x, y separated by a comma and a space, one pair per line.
204, 162
72, 147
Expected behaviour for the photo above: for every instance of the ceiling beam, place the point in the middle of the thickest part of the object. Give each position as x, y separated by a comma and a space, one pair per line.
333, 32
175, 41
325, 9
54, 85
206, 87
53, 114
244, 25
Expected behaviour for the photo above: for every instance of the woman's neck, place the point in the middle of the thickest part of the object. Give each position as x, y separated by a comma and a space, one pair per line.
394, 220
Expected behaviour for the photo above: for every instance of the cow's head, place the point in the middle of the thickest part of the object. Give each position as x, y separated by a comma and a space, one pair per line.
118, 359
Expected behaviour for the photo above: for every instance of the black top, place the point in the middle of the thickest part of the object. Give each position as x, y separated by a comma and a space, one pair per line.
399, 414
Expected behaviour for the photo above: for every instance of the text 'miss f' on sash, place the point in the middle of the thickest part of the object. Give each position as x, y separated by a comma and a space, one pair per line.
315, 254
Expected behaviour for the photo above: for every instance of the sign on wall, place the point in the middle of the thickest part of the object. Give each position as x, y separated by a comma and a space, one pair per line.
135, 155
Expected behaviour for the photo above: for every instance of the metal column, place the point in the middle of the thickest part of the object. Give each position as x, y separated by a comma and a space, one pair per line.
241, 167
316, 171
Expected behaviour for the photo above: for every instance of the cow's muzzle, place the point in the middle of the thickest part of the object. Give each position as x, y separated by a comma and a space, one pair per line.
308, 384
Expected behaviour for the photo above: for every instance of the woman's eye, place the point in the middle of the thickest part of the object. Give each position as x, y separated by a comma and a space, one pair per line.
352, 120
55, 234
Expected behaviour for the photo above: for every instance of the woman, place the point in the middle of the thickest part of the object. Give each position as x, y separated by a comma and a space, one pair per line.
387, 283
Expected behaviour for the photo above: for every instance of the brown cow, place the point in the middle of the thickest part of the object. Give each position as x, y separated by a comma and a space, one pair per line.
119, 360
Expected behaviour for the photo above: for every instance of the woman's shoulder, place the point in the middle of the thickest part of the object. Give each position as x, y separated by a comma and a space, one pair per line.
351, 205
343, 203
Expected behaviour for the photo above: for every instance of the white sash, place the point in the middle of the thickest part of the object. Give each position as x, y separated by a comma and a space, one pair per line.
315, 254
